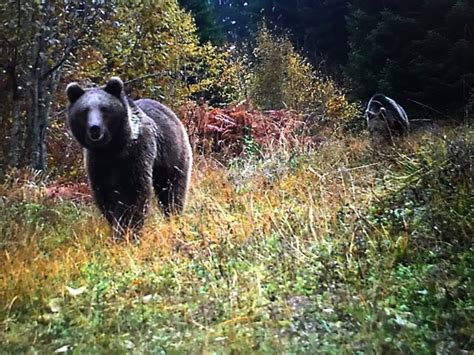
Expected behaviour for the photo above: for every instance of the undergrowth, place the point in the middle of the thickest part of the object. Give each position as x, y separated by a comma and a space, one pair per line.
344, 248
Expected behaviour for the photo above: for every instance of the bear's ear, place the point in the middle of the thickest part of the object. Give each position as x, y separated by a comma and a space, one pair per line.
74, 92
114, 86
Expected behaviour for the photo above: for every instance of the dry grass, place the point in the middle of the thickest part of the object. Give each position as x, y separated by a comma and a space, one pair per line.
285, 251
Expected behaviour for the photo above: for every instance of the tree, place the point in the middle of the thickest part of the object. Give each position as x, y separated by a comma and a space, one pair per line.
444, 57
206, 19
316, 28
155, 49
325, 35
239, 18
418, 50
152, 46
37, 40
380, 39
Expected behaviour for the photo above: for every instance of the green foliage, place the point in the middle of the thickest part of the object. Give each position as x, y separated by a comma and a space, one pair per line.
317, 28
239, 18
418, 50
426, 224
270, 70
37, 41
216, 76
440, 175
153, 42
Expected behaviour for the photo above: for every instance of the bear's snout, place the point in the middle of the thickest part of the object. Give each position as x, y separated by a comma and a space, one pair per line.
95, 133
96, 129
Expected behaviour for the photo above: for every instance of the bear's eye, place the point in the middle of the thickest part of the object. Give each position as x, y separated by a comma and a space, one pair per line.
84, 111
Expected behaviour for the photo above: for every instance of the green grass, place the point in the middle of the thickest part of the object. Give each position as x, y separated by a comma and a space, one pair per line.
343, 249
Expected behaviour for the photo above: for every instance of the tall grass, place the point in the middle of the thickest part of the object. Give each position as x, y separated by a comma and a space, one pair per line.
342, 248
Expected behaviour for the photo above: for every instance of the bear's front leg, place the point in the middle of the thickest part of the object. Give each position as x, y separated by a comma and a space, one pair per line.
127, 218
122, 192
126, 211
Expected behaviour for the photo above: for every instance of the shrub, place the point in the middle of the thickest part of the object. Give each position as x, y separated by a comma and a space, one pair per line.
432, 200
216, 77
282, 78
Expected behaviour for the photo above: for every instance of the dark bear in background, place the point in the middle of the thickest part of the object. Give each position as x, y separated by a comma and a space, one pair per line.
129, 147
386, 118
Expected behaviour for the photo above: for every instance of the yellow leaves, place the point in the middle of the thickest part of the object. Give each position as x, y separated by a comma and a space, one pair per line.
90, 61
159, 40
282, 77
148, 38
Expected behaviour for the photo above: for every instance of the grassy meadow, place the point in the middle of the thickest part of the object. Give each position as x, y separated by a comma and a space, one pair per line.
341, 248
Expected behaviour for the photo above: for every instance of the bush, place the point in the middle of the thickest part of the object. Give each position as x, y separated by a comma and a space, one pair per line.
432, 200
281, 78
216, 77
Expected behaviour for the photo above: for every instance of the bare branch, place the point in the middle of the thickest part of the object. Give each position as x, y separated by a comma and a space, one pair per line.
72, 46
428, 107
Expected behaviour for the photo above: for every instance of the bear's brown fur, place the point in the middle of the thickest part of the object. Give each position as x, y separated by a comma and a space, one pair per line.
131, 148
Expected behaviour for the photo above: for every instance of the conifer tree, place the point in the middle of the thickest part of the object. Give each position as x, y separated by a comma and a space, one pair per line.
207, 22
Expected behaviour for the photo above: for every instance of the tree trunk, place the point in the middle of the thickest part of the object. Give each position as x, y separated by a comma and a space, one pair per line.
42, 93
16, 129
33, 127
16, 133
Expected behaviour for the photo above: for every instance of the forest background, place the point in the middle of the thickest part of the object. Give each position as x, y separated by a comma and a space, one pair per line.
221, 52
301, 234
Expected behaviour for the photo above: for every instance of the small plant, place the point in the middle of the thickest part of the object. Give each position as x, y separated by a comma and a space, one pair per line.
251, 147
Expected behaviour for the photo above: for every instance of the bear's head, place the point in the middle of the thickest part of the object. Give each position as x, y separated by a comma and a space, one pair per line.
98, 117
377, 118
375, 111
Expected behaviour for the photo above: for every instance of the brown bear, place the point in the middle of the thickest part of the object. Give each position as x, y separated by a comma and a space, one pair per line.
386, 118
131, 147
